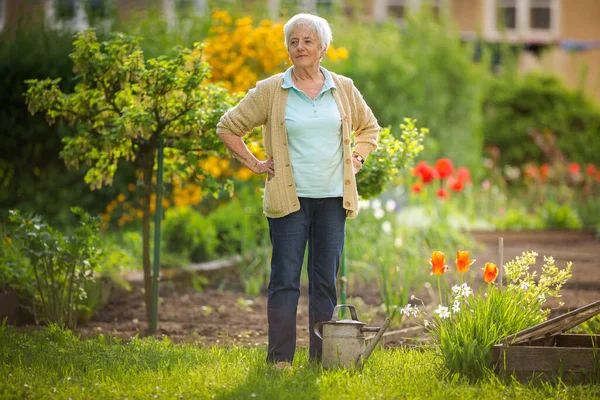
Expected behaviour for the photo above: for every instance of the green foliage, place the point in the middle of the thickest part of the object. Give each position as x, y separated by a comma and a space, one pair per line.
32, 176
539, 102
189, 234
422, 70
123, 104
15, 271
390, 158
62, 264
554, 216
36, 363
240, 225
548, 216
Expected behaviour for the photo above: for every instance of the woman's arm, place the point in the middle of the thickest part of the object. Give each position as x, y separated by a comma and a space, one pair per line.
238, 148
238, 122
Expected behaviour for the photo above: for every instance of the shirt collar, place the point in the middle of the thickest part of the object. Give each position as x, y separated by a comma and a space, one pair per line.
289, 83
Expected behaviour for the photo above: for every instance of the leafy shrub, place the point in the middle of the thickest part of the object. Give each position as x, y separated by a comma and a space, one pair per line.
240, 224
189, 234
517, 106
62, 264
555, 216
390, 158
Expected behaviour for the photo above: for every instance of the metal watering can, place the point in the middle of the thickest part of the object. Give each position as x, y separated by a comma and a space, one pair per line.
344, 340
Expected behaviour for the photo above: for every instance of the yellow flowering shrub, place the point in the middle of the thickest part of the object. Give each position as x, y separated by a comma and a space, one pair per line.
241, 54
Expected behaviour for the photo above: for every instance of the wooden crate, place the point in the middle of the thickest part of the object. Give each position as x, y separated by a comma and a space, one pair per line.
544, 352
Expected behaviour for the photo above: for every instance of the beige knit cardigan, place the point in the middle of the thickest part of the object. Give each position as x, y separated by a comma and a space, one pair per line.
265, 106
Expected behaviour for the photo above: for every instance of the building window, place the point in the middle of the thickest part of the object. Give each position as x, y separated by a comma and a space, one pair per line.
397, 9
540, 14
65, 9
507, 14
66, 15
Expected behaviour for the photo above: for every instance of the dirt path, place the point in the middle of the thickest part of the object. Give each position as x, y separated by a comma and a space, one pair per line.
225, 317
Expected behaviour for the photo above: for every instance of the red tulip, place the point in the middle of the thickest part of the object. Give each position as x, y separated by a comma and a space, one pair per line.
590, 170
426, 172
490, 272
456, 185
544, 170
444, 167
417, 187
463, 174
438, 263
574, 168
462, 261
442, 193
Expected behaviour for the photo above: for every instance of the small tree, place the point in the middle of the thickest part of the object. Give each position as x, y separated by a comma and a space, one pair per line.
123, 105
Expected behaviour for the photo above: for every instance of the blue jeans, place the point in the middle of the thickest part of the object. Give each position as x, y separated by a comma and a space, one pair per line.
321, 223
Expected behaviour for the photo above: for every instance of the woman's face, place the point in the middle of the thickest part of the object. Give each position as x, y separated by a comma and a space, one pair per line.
305, 47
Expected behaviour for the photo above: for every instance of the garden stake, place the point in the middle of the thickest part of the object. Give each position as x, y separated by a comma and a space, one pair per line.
501, 251
157, 220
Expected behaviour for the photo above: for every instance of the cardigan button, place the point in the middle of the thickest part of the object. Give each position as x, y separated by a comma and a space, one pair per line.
347, 204
348, 161
347, 141
347, 182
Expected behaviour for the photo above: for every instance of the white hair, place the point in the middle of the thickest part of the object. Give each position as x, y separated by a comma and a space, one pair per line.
320, 25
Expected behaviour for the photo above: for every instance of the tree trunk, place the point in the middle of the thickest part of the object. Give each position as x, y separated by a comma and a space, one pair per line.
147, 171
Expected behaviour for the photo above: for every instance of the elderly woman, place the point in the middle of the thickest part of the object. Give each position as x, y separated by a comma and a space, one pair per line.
317, 133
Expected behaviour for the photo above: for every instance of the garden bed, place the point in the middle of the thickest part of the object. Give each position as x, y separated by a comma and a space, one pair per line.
222, 316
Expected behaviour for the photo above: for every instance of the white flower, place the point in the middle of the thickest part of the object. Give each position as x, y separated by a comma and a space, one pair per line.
376, 204
542, 298
412, 296
426, 323
390, 205
456, 289
409, 310
398, 242
442, 312
466, 290
378, 213
364, 204
524, 286
386, 227
456, 307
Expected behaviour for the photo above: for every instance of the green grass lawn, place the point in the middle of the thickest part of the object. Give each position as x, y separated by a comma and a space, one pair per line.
53, 364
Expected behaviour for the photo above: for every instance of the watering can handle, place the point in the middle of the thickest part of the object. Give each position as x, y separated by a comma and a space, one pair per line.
316, 329
336, 311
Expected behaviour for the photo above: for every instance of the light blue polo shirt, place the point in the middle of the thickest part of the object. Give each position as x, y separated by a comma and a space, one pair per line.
314, 129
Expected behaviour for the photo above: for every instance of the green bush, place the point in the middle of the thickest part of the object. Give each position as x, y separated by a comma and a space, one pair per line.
424, 71
63, 264
189, 234
516, 106
240, 224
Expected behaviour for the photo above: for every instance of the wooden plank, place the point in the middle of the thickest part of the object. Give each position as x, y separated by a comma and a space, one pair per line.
556, 325
578, 340
545, 359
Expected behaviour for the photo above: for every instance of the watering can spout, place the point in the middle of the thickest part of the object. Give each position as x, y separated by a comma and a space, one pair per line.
375, 340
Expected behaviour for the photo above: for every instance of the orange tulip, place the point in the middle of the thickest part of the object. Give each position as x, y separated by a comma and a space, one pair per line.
438, 263
490, 272
462, 261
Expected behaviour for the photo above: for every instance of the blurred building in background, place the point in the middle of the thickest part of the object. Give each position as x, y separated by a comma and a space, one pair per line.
560, 36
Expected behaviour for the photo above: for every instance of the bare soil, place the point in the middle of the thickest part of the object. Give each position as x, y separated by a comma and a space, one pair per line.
228, 317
